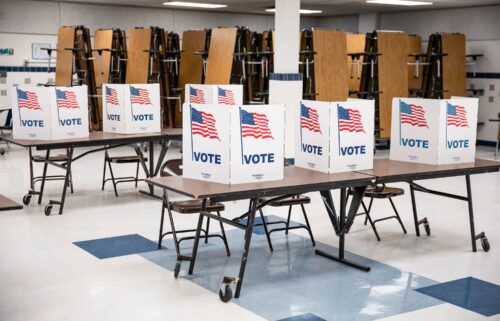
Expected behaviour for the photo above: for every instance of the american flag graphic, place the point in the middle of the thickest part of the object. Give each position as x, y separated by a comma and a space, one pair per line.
255, 125
350, 120
226, 97
139, 96
111, 96
309, 119
28, 99
66, 99
456, 116
196, 96
203, 124
412, 114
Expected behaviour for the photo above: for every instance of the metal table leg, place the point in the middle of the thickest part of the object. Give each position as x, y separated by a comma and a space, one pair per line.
344, 222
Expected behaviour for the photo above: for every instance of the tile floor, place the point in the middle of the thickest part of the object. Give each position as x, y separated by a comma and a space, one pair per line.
44, 275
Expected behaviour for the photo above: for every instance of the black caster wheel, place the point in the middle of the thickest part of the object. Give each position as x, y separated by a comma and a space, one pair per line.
177, 269
2, 151
225, 293
48, 209
27, 199
427, 229
485, 244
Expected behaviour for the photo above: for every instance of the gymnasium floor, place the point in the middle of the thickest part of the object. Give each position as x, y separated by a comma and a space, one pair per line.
98, 261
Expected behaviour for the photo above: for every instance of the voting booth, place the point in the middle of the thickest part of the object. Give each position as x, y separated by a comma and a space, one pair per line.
131, 109
233, 144
199, 94
335, 137
433, 131
45, 113
214, 94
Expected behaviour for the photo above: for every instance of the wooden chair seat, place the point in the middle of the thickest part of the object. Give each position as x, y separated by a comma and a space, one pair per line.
125, 159
194, 206
55, 158
384, 192
289, 201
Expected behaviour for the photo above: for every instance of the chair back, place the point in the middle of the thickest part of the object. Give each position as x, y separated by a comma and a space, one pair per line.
172, 167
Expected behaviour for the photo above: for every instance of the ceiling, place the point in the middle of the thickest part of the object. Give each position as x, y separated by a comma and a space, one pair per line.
329, 7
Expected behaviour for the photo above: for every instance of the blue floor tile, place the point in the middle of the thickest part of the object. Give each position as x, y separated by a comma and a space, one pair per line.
304, 317
259, 230
293, 280
117, 246
469, 293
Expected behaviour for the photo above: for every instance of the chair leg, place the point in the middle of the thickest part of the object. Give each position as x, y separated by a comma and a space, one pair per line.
207, 229
112, 178
172, 226
397, 216
369, 218
307, 224
137, 174
369, 209
224, 238
71, 181
104, 171
266, 231
288, 219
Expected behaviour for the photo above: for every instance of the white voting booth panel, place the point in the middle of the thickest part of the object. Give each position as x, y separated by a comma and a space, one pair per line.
233, 144
335, 136
199, 94
228, 94
131, 109
433, 131
47, 113
69, 112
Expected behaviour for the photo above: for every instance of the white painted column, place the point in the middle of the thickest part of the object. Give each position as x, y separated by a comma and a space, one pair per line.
286, 42
285, 84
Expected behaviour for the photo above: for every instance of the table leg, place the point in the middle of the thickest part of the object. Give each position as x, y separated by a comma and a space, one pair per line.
152, 171
197, 236
67, 177
248, 239
44, 175
344, 223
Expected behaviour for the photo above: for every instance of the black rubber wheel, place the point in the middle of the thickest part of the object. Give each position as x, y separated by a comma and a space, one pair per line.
2, 151
485, 244
177, 269
48, 209
427, 229
227, 295
27, 199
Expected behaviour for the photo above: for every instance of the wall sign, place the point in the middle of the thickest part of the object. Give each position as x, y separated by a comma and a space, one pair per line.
6, 51
37, 51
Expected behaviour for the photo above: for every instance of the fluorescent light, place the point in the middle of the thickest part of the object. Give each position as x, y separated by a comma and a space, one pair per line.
401, 2
303, 11
195, 4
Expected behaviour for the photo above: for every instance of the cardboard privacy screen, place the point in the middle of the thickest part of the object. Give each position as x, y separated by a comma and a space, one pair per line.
214, 94
233, 144
45, 113
433, 131
335, 136
131, 109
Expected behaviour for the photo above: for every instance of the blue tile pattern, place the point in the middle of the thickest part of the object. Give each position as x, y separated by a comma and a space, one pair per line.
484, 75
469, 293
26, 69
285, 77
117, 246
293, 280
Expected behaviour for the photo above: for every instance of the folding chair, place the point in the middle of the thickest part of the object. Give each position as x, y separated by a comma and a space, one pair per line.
60, 158
295, 200
6, 126
172, 168
108, 160
382, 192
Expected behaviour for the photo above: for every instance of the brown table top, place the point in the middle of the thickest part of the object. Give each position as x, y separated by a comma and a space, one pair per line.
296, 180
7, 204
395, 171
97, 138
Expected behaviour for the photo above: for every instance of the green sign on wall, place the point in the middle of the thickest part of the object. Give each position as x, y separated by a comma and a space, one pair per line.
6, 51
